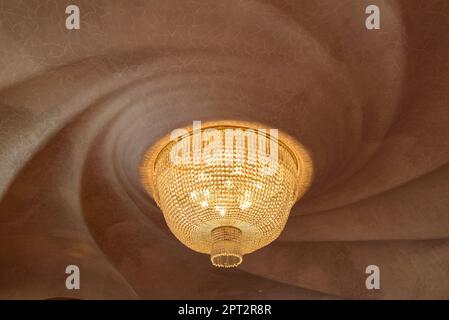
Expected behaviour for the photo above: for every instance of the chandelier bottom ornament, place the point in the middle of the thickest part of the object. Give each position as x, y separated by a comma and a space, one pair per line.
226, 249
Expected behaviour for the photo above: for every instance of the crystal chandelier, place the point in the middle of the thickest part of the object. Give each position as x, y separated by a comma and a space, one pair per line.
226, 188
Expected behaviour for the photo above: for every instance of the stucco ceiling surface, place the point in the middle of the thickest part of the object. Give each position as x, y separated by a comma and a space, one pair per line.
78, 108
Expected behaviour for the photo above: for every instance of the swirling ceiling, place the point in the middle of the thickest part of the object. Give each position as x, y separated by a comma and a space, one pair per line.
80, 107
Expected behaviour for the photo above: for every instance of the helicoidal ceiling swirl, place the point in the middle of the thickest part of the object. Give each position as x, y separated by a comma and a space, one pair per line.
78, 109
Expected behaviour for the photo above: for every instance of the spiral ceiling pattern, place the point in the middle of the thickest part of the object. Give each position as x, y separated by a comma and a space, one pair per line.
78, 109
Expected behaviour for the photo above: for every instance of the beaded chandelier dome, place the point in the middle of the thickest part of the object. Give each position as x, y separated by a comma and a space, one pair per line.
226, 188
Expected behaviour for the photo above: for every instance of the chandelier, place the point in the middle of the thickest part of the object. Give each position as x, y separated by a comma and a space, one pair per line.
226, 188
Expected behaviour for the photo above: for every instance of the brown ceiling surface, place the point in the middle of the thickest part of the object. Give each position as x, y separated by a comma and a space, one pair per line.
79, 108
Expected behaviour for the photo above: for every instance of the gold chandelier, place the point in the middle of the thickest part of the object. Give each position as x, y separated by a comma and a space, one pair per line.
226, 187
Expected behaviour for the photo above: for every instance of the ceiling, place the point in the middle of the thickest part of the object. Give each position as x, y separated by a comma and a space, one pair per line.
78, 108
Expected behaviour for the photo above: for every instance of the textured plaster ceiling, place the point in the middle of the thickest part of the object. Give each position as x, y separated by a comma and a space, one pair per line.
79, 108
